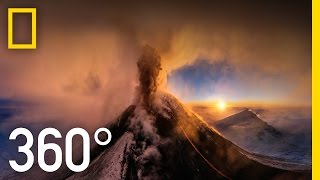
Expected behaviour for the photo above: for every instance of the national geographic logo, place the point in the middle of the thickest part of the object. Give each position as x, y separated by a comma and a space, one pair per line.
11, 14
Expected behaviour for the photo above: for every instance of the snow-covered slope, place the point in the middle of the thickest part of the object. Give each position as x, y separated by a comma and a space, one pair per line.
111, 164
248, 131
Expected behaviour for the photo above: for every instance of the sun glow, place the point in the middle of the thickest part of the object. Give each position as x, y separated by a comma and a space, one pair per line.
221, 105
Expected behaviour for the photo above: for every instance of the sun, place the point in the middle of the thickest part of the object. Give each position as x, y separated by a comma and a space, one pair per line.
221, 105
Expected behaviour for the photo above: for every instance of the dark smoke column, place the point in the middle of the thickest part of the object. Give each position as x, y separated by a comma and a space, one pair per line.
149, 65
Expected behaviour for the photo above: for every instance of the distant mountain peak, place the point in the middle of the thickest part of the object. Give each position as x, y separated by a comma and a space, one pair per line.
246, 118
248, 122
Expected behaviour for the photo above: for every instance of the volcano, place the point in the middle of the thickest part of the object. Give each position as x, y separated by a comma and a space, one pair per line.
256, 134
189, 149
250, 132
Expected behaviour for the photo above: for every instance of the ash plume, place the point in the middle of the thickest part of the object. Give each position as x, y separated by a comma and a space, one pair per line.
149, 66
147, 139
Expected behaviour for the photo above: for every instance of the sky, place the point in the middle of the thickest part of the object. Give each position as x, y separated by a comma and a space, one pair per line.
84, 66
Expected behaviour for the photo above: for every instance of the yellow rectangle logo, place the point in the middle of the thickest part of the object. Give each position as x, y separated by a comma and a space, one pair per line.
33, 12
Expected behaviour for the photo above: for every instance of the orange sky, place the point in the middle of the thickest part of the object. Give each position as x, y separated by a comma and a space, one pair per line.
83, 40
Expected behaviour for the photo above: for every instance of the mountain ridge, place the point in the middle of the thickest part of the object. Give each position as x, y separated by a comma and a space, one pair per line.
250, 132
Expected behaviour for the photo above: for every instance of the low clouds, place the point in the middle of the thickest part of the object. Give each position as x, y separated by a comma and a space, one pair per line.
70, 83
